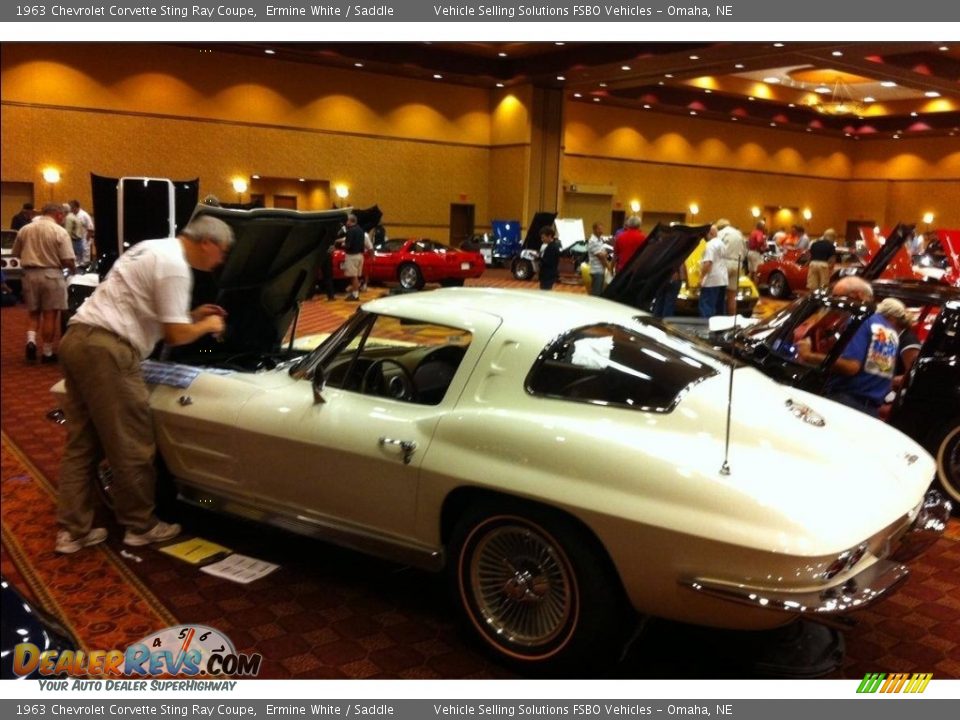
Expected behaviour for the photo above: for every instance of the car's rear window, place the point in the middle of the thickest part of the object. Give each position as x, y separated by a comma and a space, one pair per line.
614, 365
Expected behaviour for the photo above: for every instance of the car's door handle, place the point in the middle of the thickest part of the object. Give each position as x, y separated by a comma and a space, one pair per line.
408, 447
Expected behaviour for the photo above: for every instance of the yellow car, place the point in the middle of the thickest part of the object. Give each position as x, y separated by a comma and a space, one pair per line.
689, 296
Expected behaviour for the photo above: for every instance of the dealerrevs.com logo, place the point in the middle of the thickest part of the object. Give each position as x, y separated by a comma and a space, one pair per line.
895, 683
181, 650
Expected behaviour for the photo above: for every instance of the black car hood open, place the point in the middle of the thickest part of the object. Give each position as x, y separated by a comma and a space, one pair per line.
878, 263
531, 240
271, 268
658, 258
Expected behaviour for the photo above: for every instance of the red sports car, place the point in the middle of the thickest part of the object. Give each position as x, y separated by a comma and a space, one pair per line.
940, 259
415, 262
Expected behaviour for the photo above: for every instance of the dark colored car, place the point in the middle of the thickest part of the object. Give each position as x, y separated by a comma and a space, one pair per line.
499, 246
926, 409
23, 622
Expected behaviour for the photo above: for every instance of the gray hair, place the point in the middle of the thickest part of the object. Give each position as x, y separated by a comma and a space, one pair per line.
52, 208
209, 228
830, 234
855, 287
893, 309
633, 221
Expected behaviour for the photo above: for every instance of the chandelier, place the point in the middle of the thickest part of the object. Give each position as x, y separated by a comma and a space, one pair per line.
838, 100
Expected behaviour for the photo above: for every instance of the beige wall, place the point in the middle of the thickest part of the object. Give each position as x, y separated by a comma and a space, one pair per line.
414, 147
668, 162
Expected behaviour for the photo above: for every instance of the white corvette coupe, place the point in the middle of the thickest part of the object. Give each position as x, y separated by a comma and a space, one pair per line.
568, 461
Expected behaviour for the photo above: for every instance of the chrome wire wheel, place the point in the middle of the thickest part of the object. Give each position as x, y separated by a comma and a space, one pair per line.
948, 463
519, 587
779, 287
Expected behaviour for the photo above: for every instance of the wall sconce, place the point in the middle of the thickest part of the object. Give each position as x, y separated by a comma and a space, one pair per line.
52, 177
806, 214
635, 207
343, 192
240, 187
694, 209
755, 211
928, 218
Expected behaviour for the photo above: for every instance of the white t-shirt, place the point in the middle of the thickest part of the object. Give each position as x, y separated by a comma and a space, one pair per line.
718, 270
148, 286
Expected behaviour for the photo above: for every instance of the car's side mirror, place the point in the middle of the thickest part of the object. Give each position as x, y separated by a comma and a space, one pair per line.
319, 383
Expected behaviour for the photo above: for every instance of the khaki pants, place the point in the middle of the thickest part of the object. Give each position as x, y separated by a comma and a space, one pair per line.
818, 274
108, 415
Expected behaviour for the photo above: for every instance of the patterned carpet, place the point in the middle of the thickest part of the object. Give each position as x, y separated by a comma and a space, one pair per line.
331, 613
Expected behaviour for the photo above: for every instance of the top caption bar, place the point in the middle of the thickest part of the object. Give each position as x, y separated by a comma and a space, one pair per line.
763, 11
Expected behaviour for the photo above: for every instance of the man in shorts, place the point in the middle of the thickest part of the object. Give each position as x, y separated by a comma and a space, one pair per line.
44, 249
353, 247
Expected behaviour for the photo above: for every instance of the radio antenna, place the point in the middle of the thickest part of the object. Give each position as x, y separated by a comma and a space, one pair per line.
725, 468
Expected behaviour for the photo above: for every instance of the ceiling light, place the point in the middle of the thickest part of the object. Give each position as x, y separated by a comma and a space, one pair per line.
809, 129
772, 80
823, 90
603, 84
773, 124
270, 52
693, 112
646, 107
928, 217
733, 117
868, 98
840, 102
596, 99
560, 77
559, 43
888, 83
625, 67
577, 95
358, 64
437, 76
739, 66
791, 105
751, 98
943, 48
932, 93
661, 82
837, 53
914, 114
302, 179
694, 57
708, 91
254, 177
501, 54
499, 84
668, 75
778, 44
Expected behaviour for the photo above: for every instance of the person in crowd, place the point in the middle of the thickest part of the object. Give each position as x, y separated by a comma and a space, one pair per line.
780, 240
863, 374
549, 257
24, 217
909, 344
756, 247
665, 301
598, 260
853, 287
713, 276
734, 253
822, 257
353, 245
145, 298
801, 241
75, 230
44, 249
86, 223
626, 244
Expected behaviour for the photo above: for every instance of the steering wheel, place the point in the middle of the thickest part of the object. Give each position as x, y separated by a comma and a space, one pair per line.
396, 384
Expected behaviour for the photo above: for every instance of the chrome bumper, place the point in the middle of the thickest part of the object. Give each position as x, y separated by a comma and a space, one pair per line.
856, 592
930, 523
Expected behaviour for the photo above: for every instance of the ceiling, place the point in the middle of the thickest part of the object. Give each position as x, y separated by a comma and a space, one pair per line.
861, 90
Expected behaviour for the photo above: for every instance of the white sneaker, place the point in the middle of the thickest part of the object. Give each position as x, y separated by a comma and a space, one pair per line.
158, 533
67, 544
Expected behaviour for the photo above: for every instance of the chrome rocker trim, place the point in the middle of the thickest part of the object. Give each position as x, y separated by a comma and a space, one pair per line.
854, 593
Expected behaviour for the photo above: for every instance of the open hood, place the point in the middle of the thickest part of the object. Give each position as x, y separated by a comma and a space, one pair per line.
272, 267
887, 252
658, 258
531, 240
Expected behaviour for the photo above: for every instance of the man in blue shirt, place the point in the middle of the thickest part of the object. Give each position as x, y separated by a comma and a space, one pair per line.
863, 374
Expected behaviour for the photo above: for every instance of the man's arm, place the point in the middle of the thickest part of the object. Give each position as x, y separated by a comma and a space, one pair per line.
185, 333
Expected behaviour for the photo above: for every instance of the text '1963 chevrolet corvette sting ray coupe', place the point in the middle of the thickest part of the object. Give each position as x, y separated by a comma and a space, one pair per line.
562, 458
